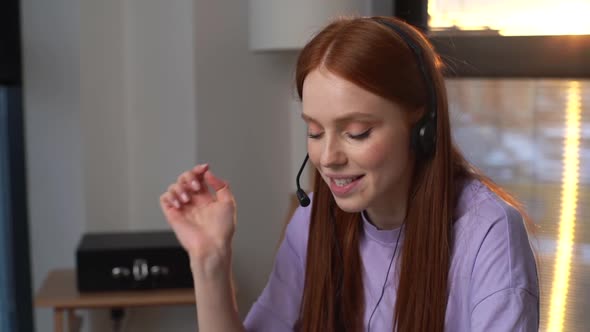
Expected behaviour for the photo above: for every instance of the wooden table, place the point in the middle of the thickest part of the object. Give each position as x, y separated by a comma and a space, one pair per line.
59, 292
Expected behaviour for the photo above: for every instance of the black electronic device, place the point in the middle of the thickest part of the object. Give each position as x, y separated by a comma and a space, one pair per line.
131, 261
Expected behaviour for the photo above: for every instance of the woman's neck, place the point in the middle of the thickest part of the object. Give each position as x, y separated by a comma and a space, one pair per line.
386, 219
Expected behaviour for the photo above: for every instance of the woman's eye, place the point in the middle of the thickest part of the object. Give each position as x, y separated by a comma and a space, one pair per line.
314, 136
361, 136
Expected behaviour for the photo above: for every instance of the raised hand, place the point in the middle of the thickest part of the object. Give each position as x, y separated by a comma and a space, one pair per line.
203, 221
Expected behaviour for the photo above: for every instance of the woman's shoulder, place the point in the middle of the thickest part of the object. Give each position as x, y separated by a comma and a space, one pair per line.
482, 207
492, 238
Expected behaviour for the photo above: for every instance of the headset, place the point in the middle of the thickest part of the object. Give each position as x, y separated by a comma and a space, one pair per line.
423, 133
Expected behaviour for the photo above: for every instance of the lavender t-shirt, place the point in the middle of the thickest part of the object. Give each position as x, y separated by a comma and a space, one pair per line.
493, 277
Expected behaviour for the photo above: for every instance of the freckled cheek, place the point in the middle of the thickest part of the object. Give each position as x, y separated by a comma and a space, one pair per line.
384, 157
373, 156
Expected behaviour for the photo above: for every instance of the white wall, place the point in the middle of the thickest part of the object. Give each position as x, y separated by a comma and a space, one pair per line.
161, 126
102, 111
138, 122
243, 131
51, 58
137, 105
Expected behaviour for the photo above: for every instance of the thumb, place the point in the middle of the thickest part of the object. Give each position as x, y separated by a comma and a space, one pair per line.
221, 187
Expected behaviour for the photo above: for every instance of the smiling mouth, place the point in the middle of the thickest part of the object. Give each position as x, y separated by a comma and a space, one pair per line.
342, 182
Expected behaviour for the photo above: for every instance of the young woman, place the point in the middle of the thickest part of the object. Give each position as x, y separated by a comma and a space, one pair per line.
402, 234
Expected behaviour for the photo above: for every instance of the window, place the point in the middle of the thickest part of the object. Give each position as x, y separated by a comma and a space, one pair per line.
519, 95
512, 38
510, 17
532, 136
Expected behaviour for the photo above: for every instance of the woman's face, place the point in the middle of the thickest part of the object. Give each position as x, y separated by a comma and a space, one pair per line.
358, 141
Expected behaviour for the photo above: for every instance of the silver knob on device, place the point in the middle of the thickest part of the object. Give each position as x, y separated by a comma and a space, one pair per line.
140, 269
120, 272
158, 270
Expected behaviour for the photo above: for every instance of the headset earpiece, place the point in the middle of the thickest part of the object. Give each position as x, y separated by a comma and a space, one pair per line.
423, 137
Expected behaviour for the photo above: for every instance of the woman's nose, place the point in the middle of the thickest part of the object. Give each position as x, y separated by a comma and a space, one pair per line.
332, 154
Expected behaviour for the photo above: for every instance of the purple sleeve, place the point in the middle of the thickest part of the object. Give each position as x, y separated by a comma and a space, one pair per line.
277, 308
511, 309
504, 284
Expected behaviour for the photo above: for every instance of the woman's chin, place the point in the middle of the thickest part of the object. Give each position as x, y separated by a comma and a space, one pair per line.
350, 204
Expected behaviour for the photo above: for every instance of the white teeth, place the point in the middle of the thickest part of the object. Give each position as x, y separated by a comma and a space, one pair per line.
343, 182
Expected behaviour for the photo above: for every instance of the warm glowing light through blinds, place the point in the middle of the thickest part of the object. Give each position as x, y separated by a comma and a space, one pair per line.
513, 17
569, 200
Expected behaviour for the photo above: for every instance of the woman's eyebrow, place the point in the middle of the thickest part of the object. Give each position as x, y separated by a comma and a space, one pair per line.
344, 119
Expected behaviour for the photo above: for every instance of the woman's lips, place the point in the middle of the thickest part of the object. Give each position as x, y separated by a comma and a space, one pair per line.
343, 190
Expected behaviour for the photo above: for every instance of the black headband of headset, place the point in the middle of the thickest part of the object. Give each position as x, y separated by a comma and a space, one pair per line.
417, 50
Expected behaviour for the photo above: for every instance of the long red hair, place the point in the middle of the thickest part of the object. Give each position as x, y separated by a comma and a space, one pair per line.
372, 56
